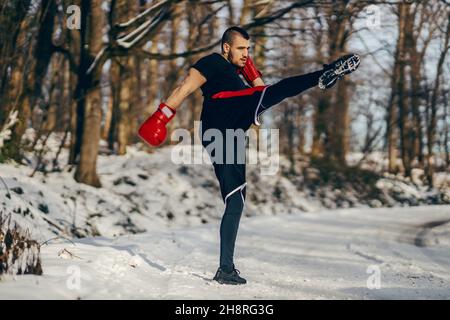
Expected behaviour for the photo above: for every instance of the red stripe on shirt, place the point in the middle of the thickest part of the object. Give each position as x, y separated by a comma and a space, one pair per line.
238, 93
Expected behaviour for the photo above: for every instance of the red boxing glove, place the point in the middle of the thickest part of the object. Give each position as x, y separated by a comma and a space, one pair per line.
153, 130
249, 71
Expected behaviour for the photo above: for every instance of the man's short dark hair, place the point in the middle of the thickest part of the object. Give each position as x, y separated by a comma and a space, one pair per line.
231, 32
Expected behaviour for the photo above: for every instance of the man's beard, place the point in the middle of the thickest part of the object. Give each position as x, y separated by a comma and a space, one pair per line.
230, 58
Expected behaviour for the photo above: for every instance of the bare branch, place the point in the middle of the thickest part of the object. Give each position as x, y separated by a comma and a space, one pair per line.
144, 14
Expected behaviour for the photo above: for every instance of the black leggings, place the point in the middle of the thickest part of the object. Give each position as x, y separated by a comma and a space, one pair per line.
289, 87
229, 227
234, 204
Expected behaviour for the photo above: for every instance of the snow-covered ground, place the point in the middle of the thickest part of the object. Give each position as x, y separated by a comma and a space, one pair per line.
143, 192
401, 253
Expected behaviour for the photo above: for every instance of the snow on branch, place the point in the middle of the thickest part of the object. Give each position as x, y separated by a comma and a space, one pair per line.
159, 56
96, 60
135, 37
131, 39
143, 14
143, 30
267, 18
138, 34
263, 18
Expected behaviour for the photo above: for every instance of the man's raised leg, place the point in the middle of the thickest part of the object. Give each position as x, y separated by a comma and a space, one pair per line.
325, 78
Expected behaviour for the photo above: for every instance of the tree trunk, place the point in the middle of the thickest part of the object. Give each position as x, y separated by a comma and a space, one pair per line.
391, 124
446, 130
415, 74
338, 128
153, 79
194, 101
230, 12
341, 125
27, 84
108, 119
174, 72
115, 83
393, 120
245, 12
76, 123
12, 23
56, 92
321, 106
402, 97
86, 170
431, 132
123, 11
127, 84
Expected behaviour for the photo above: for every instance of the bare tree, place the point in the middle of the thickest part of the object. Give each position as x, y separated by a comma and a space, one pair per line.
88, 92
432, 106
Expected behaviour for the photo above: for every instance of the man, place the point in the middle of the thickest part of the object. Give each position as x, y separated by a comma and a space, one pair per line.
229, 104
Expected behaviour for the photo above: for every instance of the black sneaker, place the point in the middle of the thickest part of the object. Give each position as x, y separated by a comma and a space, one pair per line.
233, 277
337, 69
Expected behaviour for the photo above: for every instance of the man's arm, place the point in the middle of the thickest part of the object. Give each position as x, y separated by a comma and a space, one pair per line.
153, 130
192, 82
251, 74
258, 82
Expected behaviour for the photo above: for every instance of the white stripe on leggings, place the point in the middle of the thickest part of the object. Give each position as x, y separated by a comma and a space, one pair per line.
257, 107
242, 186
242, 196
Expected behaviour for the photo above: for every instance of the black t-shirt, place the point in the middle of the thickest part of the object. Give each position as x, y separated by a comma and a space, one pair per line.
220, 75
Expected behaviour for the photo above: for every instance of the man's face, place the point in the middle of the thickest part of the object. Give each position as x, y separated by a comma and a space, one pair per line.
237, 52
